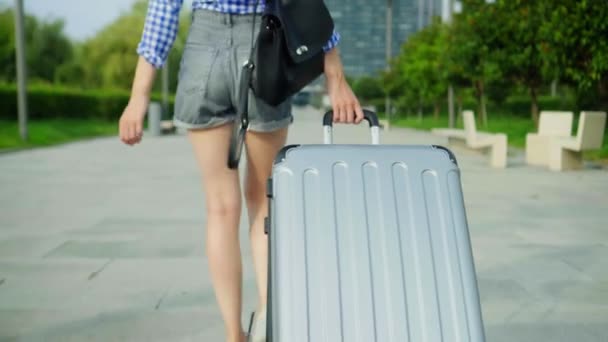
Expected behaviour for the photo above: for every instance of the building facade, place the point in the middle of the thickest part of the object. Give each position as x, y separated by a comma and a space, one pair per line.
362, 25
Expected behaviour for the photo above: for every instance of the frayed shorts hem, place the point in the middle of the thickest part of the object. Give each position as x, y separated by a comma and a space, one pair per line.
262, 127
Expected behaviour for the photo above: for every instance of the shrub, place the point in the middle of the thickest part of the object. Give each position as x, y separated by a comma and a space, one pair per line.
49, 101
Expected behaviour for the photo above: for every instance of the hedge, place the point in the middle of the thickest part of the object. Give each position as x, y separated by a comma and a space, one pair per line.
518, 105
49, 101
515, 105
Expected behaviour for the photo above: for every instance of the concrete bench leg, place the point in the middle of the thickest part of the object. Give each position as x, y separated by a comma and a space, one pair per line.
498, 154
537, 152
561, 159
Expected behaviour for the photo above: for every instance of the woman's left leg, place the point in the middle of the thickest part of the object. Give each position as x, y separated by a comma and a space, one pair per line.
262, 149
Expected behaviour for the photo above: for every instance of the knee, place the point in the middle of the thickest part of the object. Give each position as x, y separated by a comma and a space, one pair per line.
224, 207
255, 193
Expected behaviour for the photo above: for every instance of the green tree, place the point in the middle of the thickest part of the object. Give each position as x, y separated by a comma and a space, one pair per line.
525, 59
368, 88
108, 60
475, 50
7, 46
575, 44
455, 71
48, 50
72, 72
418, 77
47, 47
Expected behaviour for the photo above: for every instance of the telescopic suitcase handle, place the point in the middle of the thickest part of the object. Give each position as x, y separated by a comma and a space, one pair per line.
369, 116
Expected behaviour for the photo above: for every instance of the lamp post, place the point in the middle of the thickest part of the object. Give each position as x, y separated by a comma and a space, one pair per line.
448, 11
21, 69
389, 54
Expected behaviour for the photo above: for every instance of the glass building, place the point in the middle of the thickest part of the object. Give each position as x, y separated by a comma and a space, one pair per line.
362, 25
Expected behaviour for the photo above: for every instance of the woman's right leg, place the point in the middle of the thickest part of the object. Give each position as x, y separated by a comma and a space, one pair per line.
223, 204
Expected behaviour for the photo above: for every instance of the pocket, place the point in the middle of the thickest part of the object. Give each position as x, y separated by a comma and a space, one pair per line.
195, 68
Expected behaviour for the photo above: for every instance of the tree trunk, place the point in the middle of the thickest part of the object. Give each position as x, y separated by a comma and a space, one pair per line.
479, 85
451, 116
420, 111
437, 110
534, 98
484, 111
602, 90
459, 111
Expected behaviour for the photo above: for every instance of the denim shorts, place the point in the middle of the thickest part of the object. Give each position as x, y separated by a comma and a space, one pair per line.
207, 94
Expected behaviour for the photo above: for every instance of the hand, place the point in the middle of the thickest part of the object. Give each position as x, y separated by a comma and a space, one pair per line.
131, 122
345, 105
344, 102
132, 119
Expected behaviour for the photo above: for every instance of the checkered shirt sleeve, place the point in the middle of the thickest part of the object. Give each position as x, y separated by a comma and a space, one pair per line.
160, 30
333, 41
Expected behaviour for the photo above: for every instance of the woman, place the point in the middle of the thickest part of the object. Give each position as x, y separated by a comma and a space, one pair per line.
218, 43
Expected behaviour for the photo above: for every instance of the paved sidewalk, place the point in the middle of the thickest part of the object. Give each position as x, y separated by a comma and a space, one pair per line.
102, 242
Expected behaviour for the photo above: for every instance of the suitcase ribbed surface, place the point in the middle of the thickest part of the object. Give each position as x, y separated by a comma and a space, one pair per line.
370, 243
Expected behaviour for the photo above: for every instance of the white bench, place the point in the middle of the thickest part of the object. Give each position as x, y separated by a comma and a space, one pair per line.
551, 124
495, 142
167, 126
567, 152
454, 135
384, 124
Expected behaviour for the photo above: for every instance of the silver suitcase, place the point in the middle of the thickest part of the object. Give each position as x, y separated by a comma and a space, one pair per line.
369, 243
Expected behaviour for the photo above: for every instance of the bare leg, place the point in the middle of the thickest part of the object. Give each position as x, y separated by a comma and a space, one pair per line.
223, 204
262, 148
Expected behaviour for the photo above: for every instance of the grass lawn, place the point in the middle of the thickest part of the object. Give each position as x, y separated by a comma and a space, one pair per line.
54, 131
515, 128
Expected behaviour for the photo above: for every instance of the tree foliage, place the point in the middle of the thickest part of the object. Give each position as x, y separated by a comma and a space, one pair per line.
525, 46
491, 49
7, 46
418, 75
108, 59
576, 46
47, 47
368, 88
105, 61
498, 48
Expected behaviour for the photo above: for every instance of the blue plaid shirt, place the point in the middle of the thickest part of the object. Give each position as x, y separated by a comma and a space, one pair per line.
162, 22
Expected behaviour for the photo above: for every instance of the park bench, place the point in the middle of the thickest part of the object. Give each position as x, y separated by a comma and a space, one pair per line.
496, 143
454, 135
551, 124
167, 127
566, 153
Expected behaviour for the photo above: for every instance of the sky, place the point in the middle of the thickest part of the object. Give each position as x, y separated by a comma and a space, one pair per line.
83, 18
